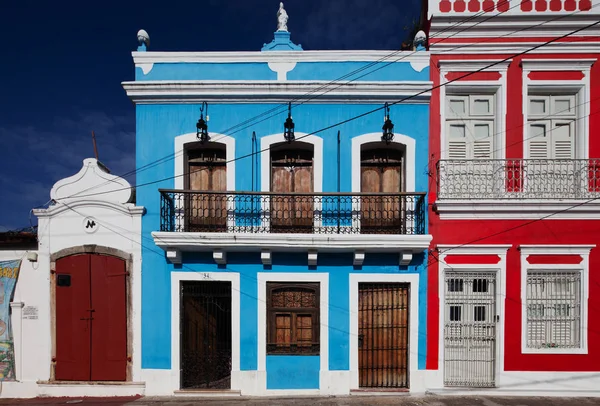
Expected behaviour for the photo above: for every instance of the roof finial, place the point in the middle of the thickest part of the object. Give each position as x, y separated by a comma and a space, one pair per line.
282, 18
143, 39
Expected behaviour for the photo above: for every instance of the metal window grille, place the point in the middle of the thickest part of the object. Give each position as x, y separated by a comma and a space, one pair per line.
470, 329
553, 309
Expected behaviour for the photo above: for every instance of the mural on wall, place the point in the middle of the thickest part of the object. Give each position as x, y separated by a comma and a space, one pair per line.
9, 271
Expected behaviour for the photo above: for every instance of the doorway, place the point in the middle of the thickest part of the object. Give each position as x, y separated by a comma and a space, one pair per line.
91, 318
470, 329
205, 325
383, 326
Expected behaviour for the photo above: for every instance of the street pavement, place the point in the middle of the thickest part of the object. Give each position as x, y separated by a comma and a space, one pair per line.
402, 400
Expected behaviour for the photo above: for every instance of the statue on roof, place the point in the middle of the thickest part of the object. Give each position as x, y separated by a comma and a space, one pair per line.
282, 18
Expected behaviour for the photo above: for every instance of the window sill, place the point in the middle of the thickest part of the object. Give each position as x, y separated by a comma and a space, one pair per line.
555, 351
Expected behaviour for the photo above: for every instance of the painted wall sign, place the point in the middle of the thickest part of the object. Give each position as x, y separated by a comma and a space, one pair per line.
30, 313
9, 271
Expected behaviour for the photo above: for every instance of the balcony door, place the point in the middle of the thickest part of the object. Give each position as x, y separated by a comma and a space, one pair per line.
292, 172
206, 173
382, 171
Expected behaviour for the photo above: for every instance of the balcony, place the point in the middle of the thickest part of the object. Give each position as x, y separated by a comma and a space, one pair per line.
518, 179
292, 213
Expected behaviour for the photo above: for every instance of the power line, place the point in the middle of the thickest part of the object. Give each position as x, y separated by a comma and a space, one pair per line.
228, 131
465, 75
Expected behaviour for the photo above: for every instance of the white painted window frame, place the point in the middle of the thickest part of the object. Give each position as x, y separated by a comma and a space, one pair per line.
500, 269
293, 277
471, 87
265, 170
582, 267
176, 279
557, 88
180, 171
413, 333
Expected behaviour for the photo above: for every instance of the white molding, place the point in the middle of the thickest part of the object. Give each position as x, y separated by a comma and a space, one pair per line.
282, 68
292, 242
220, 256
176, 279
359, 258
400, 139
174, 256
312, 257
518, 209
581, 88
414, 333
265, 158
500, 268
549, 64
466, 65
497, 88
128, 208
279, 56
265, 257
181, 140
323, 279
550, 249
264, 91
583, 267
494, 48
405, 258
95, 180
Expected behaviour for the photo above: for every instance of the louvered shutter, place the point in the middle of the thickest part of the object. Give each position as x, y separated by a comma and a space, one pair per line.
538, 140
562, 139
457, 141
482, 142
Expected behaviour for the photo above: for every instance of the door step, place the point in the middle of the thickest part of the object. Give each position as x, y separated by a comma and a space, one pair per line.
92, 389
380, 392
207, 392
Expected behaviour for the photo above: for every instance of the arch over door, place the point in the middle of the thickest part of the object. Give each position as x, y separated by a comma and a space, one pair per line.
91, 318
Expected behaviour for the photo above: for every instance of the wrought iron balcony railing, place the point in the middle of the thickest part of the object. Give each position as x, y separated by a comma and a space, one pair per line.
518, 179
317, 213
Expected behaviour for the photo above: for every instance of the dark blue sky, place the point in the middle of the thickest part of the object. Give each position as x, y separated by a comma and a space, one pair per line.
63, 63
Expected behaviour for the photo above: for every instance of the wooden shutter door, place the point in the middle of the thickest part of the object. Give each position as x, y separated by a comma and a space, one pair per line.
73, 324
292, 172
207, 171
109, 325
381, 172
281, 206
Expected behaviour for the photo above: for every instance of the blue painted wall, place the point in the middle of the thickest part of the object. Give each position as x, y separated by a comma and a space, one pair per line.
370, 71
157, 127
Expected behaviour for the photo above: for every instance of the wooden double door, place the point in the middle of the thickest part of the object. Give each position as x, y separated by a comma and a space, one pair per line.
383, 326
91, 318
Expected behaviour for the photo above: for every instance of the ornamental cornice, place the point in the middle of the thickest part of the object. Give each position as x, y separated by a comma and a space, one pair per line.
149, 92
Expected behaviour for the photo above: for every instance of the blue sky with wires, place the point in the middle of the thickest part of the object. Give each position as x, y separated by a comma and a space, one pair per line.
63, 64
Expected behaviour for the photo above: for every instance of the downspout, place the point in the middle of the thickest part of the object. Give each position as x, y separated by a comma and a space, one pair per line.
338, 183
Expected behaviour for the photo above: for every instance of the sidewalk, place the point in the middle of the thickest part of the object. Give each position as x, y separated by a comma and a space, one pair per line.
402, 400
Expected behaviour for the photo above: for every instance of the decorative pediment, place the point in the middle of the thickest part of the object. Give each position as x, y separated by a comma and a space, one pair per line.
92, 182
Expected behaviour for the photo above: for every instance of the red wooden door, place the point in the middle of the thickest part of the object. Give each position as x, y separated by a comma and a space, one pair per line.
109, 325
91, 318
73, 326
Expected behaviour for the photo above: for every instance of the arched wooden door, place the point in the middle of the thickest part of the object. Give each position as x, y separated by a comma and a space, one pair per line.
91, 318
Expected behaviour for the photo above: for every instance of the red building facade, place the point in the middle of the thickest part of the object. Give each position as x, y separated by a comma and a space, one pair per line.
514, 268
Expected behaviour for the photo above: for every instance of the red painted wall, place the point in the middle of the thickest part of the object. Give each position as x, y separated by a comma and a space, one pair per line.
516, 232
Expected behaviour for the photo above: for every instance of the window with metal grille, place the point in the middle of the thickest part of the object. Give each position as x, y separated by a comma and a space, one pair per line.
293, 318
470, 126
553, 309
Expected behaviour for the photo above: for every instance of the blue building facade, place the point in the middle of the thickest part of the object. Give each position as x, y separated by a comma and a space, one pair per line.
275, 263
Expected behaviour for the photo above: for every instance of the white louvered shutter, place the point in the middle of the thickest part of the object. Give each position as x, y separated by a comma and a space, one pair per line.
457, 141
562, 139
482, 142
538, 140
